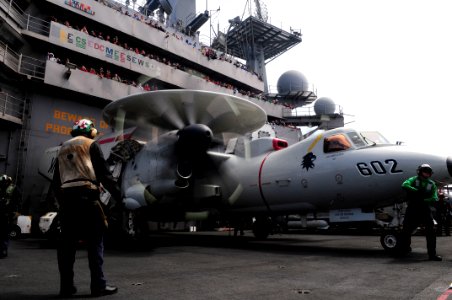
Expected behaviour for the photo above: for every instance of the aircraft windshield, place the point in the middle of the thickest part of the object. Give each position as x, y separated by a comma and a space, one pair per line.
374, 138
356, 139
337, 142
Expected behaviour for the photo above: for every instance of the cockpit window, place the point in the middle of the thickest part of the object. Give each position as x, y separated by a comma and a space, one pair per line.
356, 139
374, 138
335, 143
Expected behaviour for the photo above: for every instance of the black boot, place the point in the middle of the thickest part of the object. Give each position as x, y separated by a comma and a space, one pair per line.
66, 292
435, 257
3, 253
107, 290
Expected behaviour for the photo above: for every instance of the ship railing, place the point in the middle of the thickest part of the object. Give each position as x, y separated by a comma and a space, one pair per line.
12, 106
272, 89
123, 6
37, 25
307, 111
22, 64
25, 21
14, 11
32, 67
9, 57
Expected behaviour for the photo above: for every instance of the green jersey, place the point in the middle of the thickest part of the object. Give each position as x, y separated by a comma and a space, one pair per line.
424, 186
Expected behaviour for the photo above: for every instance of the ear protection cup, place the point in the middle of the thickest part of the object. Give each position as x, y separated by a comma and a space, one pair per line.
93, 132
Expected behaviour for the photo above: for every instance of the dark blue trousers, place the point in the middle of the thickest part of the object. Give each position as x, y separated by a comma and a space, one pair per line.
419, 213
82, 222
4, 234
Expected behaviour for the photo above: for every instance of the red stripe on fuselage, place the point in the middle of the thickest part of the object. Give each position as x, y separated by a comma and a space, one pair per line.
260, 181
105, 141
115, 139
445, 295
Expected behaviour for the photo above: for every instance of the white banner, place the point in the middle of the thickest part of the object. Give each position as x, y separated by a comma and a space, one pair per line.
106, 51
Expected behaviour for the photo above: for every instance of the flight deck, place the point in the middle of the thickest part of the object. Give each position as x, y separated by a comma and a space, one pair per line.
217, 265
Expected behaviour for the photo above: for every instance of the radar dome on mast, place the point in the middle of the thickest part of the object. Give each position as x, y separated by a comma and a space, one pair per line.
324, 106
294, 89
292, 82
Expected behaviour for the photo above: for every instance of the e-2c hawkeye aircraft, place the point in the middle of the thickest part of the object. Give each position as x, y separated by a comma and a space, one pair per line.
185, 172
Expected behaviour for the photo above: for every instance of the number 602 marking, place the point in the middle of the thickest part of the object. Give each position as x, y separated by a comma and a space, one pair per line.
377, 167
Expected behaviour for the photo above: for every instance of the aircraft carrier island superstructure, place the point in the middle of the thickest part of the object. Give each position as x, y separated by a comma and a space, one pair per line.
62, 60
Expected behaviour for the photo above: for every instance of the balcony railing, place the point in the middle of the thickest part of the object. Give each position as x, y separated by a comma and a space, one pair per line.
37, 25
33, 67
9, 57
11, 106
14, 11
22, 64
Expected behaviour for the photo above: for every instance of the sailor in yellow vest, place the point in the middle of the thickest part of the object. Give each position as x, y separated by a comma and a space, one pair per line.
79, 170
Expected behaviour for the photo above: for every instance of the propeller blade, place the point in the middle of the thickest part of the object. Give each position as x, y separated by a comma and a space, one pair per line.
200, 118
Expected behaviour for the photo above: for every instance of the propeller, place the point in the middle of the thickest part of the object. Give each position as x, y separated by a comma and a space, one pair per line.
196, 116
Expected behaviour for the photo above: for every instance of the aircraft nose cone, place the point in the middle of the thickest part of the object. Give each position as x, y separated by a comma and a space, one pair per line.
449, 165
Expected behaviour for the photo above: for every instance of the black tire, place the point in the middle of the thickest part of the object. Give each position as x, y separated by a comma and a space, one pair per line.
392, 242
14, 232
54, 230
130, 224
262, 228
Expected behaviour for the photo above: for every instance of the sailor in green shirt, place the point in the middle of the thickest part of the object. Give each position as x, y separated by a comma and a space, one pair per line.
422, 193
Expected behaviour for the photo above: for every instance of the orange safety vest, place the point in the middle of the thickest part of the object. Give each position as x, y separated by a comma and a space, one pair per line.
75, 166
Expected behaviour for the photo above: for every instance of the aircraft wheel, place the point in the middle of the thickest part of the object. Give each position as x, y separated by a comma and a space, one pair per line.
130, 223
14, 232
262, 228
391, 241
54, 229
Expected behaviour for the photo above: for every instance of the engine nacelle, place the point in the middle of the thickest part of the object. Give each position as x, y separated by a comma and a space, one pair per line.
137, 196
266, 144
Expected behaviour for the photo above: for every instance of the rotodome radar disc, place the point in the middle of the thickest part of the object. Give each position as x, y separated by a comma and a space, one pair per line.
175, 109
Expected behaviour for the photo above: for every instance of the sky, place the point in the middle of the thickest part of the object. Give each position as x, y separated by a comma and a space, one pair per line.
387, 63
